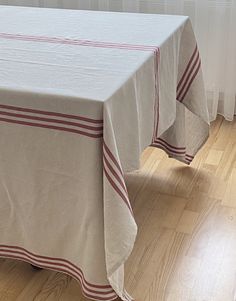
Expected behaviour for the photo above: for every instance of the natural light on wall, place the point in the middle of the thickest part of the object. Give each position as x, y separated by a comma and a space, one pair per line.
215, 27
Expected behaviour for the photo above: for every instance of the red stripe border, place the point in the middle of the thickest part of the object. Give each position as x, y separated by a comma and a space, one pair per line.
107, 155
88, 289
39, 125
188, 75
187, 68
173, 151
95, 126
49, 113
79, 125
77, 42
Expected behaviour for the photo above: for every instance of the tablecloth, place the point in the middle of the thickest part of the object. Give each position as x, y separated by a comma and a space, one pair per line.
82, 94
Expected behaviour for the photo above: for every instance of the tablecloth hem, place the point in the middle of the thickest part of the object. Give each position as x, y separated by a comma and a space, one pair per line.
122, 294
93, 292
186, 159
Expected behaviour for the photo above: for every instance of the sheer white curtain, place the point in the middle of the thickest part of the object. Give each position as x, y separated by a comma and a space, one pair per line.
215, 26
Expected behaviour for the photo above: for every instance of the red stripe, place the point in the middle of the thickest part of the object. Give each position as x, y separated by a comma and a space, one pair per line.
112, 157
92, 128
188, 160
114, 173
118, 178
191, 81
116, 188
74, 41
187, 68
172, 153
40, 112
169, 149
174, 147
78, 42
188, 77
51, 127
57, 259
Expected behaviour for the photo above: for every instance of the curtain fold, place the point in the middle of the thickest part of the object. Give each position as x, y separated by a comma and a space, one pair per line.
214, 22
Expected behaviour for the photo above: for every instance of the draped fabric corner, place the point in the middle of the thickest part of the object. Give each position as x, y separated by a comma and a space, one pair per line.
92, 135
214, 24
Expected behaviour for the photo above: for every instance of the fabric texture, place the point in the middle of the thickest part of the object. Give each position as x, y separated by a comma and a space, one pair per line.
214, 23
79, 102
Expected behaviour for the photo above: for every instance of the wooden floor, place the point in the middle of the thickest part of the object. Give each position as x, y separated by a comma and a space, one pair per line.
186, 246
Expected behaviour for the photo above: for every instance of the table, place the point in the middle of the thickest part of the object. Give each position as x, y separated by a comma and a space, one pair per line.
82, 94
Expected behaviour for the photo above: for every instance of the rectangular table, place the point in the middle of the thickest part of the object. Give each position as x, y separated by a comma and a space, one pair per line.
82, 94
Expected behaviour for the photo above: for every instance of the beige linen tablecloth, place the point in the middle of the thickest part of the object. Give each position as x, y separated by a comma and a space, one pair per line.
82, 94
